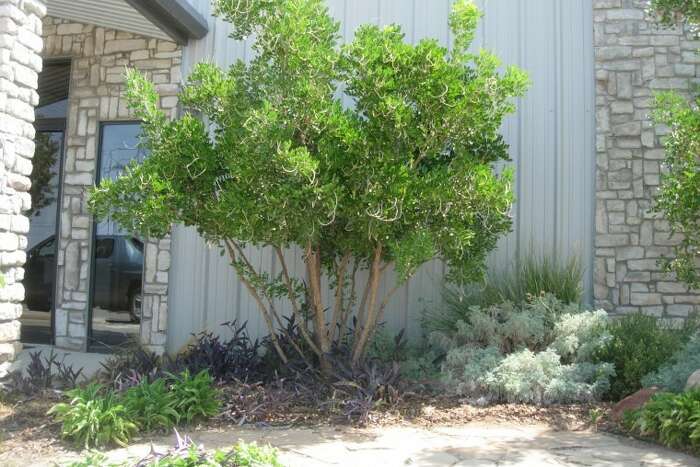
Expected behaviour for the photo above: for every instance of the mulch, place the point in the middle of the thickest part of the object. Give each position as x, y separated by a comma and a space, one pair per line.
25, 427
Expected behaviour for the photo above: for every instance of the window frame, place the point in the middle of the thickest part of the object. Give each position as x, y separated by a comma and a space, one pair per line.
92, 344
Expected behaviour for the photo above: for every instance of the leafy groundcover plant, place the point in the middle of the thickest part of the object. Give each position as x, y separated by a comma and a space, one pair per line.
403, 175
672, 419
189, 454
195, 397
94, 417
152, 406
98, 416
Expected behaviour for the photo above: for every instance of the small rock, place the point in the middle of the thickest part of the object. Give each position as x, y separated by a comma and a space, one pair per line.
693, 380
632, 402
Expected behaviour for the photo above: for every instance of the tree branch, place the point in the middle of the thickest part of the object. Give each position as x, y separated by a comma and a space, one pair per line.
232, 248
313, 266
347, 309
340, 286
295, 306
375, 278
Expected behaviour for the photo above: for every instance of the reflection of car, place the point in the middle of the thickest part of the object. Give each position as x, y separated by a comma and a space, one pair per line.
118, 272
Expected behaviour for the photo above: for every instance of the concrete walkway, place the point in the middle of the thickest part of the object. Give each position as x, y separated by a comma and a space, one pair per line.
469, 445
89, 362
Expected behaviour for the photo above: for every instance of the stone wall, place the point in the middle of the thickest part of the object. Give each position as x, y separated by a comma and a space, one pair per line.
99, 59
635, 58
20, 63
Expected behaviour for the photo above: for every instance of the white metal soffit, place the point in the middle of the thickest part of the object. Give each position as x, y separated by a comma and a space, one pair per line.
113, 14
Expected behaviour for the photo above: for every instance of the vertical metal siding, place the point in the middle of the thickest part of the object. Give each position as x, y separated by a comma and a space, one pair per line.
551, 140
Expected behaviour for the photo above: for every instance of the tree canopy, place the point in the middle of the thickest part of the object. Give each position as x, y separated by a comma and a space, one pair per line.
679, 196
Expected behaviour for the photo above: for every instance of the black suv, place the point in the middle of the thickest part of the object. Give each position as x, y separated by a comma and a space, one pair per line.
118, 273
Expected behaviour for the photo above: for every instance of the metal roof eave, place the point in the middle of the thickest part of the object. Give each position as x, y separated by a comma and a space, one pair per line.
176, 18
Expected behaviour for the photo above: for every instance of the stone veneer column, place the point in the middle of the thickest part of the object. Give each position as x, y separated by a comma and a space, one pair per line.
634, 59
99, 59
20, 63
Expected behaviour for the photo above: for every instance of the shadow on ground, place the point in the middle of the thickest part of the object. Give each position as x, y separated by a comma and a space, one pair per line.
468, 445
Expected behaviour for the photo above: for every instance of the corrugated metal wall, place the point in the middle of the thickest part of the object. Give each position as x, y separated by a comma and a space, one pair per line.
551, 138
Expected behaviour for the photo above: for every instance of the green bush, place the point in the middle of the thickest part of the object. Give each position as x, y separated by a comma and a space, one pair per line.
152, 405
673, 375
417, 360
533, 278
639, 345
94, 417
672, 419
195, 396
540, 354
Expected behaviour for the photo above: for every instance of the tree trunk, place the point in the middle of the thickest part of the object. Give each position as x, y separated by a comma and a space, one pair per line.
358, 351
313, 267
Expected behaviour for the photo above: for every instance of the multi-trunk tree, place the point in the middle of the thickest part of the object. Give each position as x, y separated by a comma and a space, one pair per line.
267, 154
679, 195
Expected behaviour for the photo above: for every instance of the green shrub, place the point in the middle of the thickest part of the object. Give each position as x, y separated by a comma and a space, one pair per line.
673, 375
534, 277
195, 397
94, 417
639, 345
672, 419
417, 360
152, 405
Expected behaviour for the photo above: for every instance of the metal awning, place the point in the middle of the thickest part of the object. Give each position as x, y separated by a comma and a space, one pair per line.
164, 19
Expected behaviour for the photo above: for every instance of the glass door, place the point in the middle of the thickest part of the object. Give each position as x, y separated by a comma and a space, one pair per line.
117, 263
40, 269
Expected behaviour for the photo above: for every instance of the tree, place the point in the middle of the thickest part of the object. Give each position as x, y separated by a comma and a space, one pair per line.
43, 173
678, 198
670, 13
402, 175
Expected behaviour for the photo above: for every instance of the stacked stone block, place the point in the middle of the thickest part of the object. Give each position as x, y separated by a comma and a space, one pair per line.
634, 59
99, 59
20, 64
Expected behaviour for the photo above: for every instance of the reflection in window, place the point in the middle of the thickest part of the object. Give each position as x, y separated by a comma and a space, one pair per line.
44, 189
40, 267
118, 255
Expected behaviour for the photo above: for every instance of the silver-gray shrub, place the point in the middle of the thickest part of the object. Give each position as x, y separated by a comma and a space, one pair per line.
673, 375
539, 354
